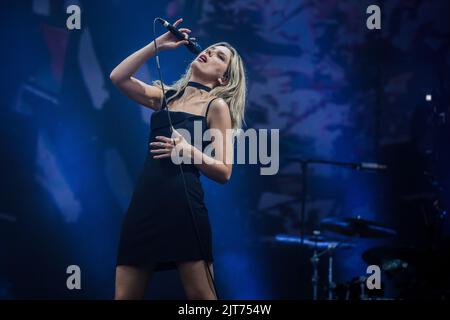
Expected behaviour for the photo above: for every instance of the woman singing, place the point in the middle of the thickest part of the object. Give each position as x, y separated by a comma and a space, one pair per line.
165, 227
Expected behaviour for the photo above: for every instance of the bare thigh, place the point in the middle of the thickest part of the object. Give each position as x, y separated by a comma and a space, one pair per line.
131, 282
196, 280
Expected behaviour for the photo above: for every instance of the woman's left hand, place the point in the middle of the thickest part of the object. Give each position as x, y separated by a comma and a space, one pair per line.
164, 146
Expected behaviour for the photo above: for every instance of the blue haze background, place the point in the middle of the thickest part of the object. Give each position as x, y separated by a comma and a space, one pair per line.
72, 146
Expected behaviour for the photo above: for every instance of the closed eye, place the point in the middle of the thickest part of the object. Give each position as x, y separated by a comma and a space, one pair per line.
219, 53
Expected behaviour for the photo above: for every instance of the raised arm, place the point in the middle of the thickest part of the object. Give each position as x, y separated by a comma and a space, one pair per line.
141, 92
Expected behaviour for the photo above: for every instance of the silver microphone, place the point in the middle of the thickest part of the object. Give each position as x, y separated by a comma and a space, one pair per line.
372, 166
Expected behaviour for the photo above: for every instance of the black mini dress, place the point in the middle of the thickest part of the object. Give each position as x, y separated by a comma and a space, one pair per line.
158, 229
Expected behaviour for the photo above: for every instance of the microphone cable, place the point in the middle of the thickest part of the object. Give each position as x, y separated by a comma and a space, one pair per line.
164, 104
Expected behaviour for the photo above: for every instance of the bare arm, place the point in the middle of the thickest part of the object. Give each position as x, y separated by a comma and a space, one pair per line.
141, 92
217, 168
144, 94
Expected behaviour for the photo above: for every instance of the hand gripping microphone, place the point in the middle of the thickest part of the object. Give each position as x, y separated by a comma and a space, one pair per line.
193, 46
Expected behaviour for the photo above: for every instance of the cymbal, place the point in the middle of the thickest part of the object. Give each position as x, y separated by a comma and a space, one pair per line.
312, 241
357, 227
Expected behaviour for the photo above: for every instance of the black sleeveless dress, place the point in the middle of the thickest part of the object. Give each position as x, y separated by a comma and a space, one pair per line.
158, 229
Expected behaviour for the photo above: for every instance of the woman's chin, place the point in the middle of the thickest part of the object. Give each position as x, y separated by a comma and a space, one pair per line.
197, 65
199, 72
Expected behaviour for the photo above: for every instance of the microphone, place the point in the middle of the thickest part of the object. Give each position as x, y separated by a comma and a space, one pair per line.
372, 166
354, 165
193, 46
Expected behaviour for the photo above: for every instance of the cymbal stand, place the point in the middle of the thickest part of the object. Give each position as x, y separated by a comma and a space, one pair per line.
315, 259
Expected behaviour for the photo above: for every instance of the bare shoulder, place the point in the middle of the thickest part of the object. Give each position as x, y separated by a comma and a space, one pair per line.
219, 108
219, 115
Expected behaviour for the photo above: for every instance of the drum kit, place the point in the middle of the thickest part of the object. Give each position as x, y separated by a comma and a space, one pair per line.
386, 257
417, 265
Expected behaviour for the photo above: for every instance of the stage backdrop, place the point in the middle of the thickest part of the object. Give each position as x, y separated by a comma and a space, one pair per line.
72, 146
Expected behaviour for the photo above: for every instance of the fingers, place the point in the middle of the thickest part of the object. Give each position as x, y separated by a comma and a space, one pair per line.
179, 43
161, 144
178, 22
162, 153
165, 146
157, 151
167, 141
166, 155
163, 139
181, 29
182, 42
185, 32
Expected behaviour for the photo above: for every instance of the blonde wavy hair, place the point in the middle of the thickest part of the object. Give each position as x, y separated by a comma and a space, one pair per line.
233, 92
